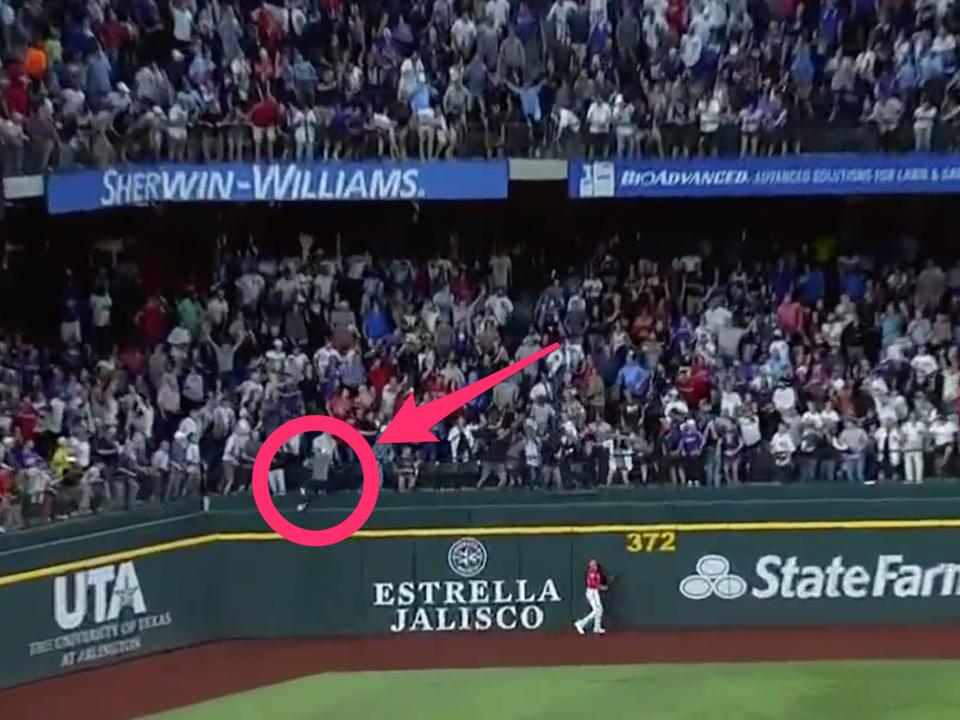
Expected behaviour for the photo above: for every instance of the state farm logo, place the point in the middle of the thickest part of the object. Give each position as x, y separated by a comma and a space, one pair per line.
467, 557
713, 578
789, 578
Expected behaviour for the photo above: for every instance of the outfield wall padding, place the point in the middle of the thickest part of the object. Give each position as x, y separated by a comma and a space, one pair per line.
89, 600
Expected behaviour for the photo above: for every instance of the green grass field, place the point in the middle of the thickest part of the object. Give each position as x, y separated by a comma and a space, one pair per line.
770, 691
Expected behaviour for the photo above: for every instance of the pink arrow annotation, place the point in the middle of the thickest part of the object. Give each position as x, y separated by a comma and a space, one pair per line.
412, 423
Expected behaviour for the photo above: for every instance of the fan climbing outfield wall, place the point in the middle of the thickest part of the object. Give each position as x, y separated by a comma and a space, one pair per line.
80, 602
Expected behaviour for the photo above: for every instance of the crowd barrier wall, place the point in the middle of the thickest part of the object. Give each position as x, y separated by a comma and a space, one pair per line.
117, 593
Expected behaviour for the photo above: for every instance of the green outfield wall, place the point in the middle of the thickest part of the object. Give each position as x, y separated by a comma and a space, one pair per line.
488, 565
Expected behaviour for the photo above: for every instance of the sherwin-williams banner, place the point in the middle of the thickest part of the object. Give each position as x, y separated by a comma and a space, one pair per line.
775, 176
276, 182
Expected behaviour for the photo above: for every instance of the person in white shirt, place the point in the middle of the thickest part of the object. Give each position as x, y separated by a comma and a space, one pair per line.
924, 118
498, 13
412, 76
297, 120
501, 306
710, 111
717, 318
914, 433
159, 469
100, 306
90, 483
446, 136
193, 467
730, 401
250, 287
461, 440
323, 454
924, 364
785, 400
568, 126
218, 309
558, 15
599, 118
52, 425
853, 458
464, 33
748, 423
888, 442
182, 21
80, 449
625, 127
232, 455
943, 432
951, 384
782, 448
886, 114
691, 48
177, 120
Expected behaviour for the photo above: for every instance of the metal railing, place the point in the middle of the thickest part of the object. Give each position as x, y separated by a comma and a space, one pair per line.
207, 144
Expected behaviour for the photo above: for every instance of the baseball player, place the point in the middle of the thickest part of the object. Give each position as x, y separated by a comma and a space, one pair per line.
595, 583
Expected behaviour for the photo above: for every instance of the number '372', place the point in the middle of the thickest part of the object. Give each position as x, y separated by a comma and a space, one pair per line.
661, 541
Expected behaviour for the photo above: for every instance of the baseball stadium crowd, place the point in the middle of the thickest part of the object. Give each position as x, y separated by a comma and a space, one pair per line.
105, 81
702, 369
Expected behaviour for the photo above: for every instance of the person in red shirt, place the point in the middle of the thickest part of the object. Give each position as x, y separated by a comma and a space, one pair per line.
595, 583
17, 92
152, 321
341, 405
26, 419
379, 375
790, 316
269, 31
265, 119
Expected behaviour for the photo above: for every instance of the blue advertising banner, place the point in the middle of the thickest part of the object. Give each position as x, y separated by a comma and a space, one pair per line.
774, 176
276, 182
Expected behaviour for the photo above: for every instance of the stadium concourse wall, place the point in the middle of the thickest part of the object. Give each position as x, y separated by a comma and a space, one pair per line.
487, 562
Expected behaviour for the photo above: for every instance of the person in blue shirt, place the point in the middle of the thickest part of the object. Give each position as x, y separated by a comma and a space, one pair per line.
891, 325
691, 443
529, 94
812, 286
633, 377
831, 24
801, 70
98, 79
376, 324
526, 22
607, 365
782, 279
681, 336
352, 372
853, 284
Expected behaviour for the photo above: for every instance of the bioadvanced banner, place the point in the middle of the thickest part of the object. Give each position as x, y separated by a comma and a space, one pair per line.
276, 182
778, 176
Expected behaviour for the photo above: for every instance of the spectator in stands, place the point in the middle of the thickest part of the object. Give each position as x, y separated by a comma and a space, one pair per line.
511, 73
694, 371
